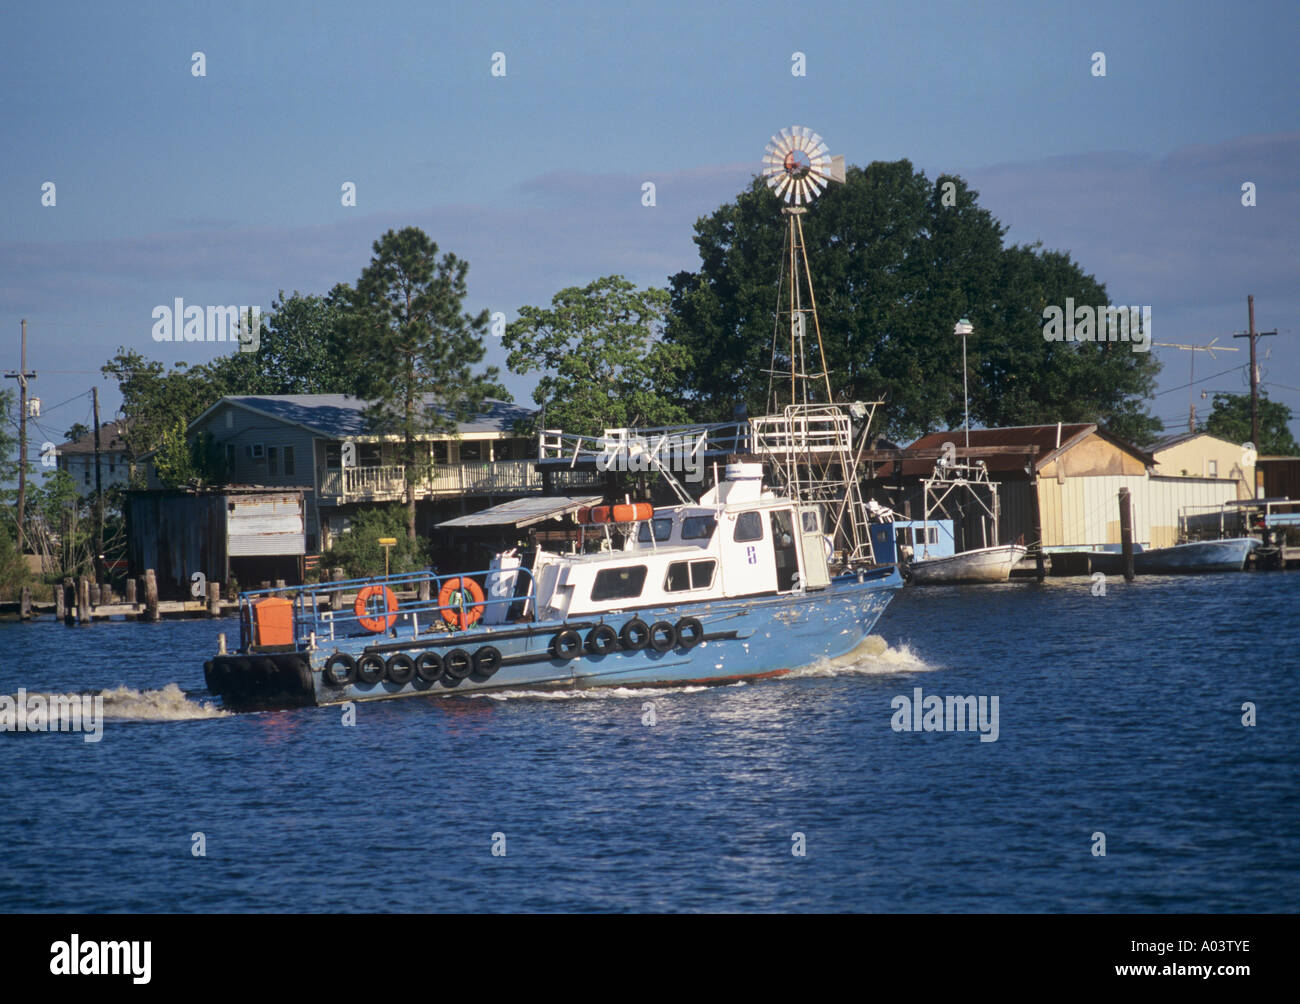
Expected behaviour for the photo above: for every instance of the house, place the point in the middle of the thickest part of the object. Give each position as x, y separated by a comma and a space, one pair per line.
77, 457
321, 444
1066, 478
1200, 455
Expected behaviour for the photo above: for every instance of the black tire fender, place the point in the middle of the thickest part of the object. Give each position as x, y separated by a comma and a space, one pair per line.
602, 639
663, 636
566, 644
370, 668
690, 632
400, 668
487, 661
456, 665
428, 667
336, 662
635, 635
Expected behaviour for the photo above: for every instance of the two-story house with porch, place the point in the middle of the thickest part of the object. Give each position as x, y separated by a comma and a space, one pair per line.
321, 444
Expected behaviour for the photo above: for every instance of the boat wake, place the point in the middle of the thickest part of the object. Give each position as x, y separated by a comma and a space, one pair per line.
872, 657
167, 704
590, 694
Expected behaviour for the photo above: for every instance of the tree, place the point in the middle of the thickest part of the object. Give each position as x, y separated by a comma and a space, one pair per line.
78, 430
601, 356
895, 261
414, 349
1230, 419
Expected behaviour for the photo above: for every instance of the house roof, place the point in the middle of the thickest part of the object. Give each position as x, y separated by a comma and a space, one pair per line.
110, 440
1165, 442
339, 416
1039, 442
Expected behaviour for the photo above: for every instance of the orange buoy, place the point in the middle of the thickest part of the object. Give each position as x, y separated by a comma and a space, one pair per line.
600, 514
377, 622
452, 599
634, 512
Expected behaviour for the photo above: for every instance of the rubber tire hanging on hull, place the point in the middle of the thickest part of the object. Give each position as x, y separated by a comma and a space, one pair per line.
279, 680
602, 639
696, 632
663, 636
370, 668
456, 665
400, 669
635, 635
428, 667
566, 644
487, 661
337, 661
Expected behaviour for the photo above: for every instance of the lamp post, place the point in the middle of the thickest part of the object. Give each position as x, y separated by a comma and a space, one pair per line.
964, 328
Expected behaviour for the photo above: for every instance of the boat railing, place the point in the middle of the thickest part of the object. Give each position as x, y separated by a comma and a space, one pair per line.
321, 613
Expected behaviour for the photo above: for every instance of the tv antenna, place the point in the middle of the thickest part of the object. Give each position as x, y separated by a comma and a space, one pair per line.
1211, 348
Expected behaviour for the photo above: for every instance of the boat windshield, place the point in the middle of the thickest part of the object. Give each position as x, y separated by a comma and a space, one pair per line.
663, 530
699, 527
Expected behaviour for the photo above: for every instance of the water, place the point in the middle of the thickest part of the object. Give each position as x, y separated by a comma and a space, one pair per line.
1118, 714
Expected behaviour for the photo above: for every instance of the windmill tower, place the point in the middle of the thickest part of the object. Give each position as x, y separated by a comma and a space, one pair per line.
806, 435
797, 168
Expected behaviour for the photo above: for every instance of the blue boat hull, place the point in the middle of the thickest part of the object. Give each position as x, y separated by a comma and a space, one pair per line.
744, 638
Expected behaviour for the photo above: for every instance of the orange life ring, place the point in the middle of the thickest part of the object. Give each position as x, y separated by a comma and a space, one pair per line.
460, 613
633, 513
378, 622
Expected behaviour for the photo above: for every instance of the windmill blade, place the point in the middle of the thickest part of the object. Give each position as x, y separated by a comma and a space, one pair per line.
782, 186
837, 169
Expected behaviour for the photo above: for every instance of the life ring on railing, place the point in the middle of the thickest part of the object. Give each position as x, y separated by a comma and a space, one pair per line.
460, 612
377, 622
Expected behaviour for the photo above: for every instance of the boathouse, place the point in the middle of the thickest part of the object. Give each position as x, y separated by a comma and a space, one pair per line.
1065, 477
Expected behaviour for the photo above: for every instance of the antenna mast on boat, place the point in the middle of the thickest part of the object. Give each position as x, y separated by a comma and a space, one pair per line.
806, 434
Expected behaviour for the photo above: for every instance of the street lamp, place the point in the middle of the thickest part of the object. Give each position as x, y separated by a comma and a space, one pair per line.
964, 328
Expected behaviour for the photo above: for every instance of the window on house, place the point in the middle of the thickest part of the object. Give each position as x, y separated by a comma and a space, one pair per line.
683, 575
273, 460
439, 451
749, 527
87, 475
288, 460
230, 460
619, 583
473, 451
333, 455
1214, 468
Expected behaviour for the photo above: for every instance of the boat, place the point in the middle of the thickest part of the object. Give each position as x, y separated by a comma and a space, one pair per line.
1193, 558
735, 586
983, 564
928, 546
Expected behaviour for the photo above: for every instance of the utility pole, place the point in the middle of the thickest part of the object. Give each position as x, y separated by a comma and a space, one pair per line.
22, 375
1252, 334
99, 495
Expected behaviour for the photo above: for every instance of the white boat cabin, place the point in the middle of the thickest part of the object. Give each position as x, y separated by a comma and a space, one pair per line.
738, 540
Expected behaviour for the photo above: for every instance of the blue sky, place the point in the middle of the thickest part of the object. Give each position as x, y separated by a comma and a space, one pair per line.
226, 188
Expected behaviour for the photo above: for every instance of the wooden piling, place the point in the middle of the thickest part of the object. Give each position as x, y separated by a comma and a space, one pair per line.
214, 599
130, 592
279, 584
150, 595
25, 604
105, 594
83, 600
423, 590
60, 607
1126, 533
69, 602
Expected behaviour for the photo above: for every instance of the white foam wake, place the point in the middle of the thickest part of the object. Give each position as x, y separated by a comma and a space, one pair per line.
168, 704
873, 656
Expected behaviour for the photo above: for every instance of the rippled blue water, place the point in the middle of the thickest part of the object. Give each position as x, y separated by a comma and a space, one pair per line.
1119, 714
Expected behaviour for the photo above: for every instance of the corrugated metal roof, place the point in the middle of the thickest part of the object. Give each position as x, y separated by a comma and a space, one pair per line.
524, 512
338, 416
1039, 442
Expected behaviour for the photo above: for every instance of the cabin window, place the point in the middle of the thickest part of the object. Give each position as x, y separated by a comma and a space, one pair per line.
698, 527
809, 517
749, 527
619, 583
663, 530
684, 575
903, 535
288, 460
932, 535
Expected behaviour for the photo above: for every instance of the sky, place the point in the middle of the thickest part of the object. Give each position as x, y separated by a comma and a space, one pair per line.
225, 188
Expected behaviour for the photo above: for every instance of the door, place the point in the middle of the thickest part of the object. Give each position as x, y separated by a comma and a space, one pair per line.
784, 551
815, 573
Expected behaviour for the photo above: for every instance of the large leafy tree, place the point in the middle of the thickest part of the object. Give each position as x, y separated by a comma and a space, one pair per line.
896, 260
601, 357
1230, 419
414, 348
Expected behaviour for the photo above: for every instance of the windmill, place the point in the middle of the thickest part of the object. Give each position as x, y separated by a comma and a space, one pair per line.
797, 167
808, 436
